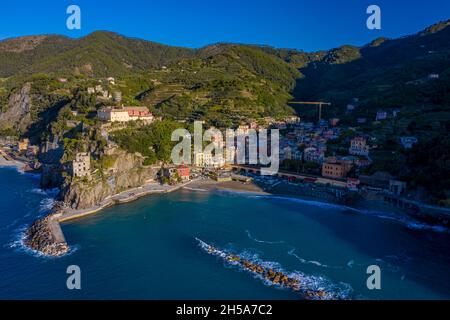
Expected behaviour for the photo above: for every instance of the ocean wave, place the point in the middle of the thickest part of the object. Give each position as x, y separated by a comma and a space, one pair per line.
38, 191
262, 241
313, 262
46, 205
408, 222
195, 189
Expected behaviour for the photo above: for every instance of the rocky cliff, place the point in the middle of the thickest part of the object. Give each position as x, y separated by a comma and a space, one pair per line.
17, 112
126, 172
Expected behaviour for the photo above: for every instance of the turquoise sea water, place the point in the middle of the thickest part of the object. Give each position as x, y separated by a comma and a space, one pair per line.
147, 249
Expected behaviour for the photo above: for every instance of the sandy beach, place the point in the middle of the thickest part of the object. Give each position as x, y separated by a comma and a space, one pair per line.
6, 161
211, 185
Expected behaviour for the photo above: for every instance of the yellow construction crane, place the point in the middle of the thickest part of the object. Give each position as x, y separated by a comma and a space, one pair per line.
320, 104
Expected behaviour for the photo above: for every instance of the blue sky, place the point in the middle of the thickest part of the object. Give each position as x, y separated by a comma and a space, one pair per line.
302, 24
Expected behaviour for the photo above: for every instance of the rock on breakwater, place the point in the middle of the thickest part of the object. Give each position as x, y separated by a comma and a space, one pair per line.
45, 236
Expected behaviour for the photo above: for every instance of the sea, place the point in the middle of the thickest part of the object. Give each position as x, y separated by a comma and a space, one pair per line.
151, 248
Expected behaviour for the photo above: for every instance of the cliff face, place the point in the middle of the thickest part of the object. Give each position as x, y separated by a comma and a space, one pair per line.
127, 172
17, 114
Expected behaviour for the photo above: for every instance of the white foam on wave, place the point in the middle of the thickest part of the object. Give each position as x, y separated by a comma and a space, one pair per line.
313, 262
18, 245
262, 241
47, 203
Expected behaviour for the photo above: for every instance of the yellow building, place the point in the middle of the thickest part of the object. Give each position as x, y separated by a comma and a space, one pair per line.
23, 145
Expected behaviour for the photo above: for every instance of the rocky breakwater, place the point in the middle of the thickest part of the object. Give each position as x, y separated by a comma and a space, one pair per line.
45, 236
310, 288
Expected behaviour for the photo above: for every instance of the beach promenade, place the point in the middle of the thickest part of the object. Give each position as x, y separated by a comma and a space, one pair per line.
123, 197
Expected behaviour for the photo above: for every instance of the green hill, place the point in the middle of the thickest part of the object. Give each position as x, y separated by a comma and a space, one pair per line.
229, 83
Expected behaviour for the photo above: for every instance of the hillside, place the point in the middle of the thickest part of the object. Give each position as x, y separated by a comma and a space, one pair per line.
225, 84
99, 54
222, 84
383, 74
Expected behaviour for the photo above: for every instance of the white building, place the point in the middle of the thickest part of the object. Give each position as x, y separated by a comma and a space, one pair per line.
125, 114
381, 115
113, 115
359, 147
111, 80
198, 159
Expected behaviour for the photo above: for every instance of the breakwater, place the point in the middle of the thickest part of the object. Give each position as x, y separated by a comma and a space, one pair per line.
309, 288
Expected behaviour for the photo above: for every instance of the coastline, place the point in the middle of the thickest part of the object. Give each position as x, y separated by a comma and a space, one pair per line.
235, 186
46, 236
56, 245
8, 162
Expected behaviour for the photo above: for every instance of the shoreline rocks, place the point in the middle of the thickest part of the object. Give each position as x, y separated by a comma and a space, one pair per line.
41, 237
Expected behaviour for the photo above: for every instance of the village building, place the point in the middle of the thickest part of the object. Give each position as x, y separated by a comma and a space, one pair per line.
111, 80
221, 176
32, 151
335, 168
292, 120
353, 184
253, 125
381, 115
397, 187
334, 122
286, 153
433, 76
242, 129
22, 145
361, 120
312, 154
183, 172
81, 166
125, 114
350, 107
117, 96
379, 180
198, 159
408, 142
359, 147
